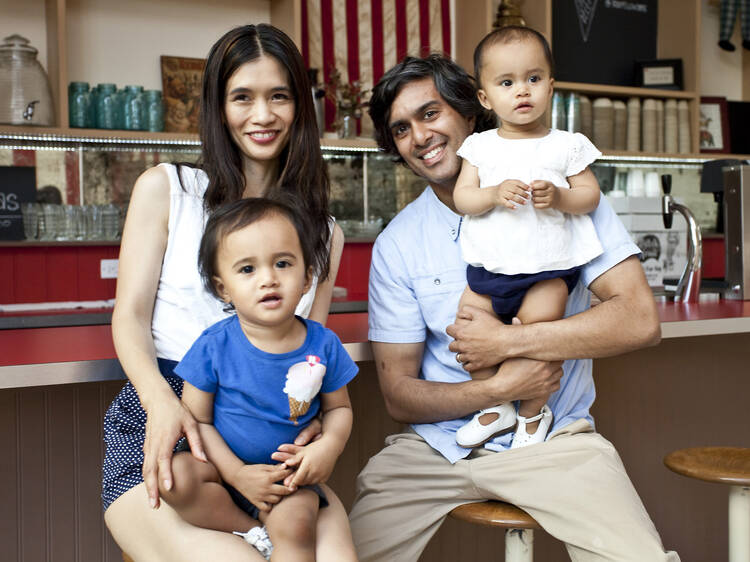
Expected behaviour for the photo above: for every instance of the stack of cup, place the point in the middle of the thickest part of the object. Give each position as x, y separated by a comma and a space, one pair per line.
604, 124
586, 117
670, 127
621, 124
683, 127
557, 111
634, 125
660, 125
649, 125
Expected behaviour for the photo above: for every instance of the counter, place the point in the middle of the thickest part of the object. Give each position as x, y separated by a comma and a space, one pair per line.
65, 352
56, 383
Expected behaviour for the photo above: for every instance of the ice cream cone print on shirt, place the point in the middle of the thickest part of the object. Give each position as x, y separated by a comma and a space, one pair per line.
303, 382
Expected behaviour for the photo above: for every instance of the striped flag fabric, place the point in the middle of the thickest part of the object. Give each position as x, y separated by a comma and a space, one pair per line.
364, 38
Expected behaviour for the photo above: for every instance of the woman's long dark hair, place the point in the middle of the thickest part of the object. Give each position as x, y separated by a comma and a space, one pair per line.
302, 170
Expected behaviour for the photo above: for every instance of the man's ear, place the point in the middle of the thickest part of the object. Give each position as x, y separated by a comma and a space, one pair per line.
483, 99
221, 289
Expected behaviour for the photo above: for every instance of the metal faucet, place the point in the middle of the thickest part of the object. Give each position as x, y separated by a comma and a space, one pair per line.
688, 288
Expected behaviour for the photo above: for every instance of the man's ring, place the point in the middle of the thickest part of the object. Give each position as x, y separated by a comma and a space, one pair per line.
458, 358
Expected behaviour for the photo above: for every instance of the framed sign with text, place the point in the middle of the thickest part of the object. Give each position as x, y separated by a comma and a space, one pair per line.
17, 186
665, 74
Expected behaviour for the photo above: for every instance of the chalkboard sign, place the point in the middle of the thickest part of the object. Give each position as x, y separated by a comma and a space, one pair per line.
599, 41
17, 186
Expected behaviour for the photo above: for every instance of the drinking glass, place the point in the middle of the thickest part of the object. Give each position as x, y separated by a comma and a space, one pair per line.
93, 220
30, 212
50, 221
111, 222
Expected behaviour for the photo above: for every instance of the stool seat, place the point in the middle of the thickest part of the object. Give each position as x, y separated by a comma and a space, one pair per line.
724, 465
495, 514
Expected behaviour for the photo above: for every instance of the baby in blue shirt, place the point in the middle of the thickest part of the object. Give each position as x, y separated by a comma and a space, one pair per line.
254, 380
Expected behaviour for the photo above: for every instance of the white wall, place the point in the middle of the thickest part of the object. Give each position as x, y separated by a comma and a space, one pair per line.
121, 42
25, 17
721, 71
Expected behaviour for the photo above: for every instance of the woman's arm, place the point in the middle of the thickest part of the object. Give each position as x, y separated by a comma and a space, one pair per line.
322, 302
142, 250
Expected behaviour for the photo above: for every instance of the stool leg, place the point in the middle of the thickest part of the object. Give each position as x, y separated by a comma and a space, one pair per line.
519, 545
739, 524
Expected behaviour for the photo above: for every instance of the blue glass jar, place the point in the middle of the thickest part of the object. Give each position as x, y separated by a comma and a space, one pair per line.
134, 115
79, 105
106, 106
154, 110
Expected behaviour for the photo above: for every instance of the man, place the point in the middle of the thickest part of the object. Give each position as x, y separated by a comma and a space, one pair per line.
574, 484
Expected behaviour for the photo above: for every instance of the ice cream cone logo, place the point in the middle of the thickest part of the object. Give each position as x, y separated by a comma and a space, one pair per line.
303, 382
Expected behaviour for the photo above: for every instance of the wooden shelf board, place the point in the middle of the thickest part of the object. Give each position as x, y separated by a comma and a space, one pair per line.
623, 90
98, 134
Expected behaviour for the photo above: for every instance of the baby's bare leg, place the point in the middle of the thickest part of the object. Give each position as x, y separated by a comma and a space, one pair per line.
544, 301
292, 524
198, 496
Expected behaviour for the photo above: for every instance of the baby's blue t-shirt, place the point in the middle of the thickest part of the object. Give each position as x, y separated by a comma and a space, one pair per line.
261, 399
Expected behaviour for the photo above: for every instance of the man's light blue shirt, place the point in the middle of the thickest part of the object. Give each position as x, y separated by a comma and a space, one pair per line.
416, 280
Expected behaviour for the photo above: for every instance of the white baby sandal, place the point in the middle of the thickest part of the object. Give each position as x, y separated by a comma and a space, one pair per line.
522, 438
258, 538
476, 433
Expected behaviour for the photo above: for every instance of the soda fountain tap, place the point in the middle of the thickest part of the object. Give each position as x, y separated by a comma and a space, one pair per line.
688, 288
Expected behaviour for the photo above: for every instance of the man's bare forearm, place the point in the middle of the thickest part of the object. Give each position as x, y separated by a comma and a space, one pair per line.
626, 319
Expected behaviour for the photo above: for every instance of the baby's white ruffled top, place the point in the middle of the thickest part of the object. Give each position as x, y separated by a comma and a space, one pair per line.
525, 239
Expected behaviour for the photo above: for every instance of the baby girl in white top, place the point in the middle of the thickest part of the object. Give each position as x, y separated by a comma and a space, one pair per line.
525, 191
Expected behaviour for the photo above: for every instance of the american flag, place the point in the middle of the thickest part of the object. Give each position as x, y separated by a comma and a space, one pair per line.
364, 38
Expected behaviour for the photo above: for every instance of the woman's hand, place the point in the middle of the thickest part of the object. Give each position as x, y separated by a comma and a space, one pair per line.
167, 420
257, 482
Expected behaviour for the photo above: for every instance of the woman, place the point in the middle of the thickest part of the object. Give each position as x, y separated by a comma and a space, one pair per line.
259, 136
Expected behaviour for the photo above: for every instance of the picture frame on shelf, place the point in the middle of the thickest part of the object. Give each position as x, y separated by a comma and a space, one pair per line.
713, 125
181, 79
665, 74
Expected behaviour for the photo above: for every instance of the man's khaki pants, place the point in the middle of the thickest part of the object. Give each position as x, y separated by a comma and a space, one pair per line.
574, 485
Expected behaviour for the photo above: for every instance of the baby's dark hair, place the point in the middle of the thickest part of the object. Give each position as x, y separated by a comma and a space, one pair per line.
231, 217
509, 34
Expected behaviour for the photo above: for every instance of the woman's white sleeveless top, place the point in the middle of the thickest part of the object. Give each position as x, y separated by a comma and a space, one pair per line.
183, 307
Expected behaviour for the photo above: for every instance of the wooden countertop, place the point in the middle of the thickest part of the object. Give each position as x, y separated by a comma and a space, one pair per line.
60, 355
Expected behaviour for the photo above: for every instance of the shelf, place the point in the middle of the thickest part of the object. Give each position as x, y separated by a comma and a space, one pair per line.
119, 137
606, 89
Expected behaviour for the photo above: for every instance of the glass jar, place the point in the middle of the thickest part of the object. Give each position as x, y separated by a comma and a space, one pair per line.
154, 110
106, 106
79, 105
133, 109
25, 94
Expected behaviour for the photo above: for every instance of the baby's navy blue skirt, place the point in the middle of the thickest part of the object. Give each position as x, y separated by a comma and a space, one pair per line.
507, 291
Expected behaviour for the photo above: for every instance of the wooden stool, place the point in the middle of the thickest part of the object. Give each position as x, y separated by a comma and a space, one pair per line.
519, 536
126, 558
725, 465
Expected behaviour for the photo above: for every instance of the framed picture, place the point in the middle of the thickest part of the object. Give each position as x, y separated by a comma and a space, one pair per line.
181, 86
713, 125
665, 74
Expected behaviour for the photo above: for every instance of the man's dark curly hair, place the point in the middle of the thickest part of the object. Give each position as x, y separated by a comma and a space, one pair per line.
452, 82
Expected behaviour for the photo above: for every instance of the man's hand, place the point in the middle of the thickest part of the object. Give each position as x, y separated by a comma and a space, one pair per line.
511, 193
257, 482
480, 337
544, 194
